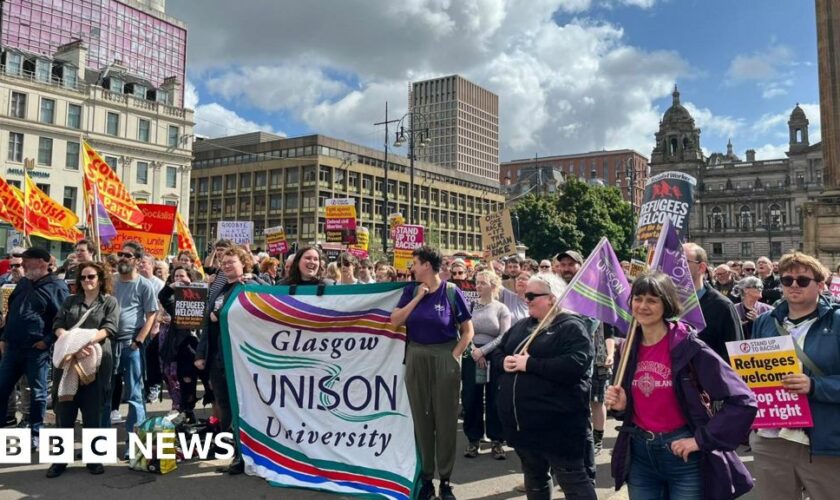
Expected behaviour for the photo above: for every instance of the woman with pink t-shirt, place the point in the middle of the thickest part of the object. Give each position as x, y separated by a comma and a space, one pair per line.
665, 449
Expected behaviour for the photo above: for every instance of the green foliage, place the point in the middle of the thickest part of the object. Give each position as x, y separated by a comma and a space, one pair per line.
576, 218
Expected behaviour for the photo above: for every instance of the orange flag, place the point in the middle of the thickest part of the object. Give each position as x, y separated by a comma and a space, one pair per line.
41, 205
12, 205
36, 224
116, 198
186, 242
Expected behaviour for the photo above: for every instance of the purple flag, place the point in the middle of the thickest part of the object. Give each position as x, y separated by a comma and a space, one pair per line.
600, 290
669, 258
106, 228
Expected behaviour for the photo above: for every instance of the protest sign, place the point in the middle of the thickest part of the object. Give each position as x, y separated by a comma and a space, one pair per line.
637, 268
834, 286
5, 292
332, 251
762, 363
360, 248
467, 287
340, 223
317, 388
395, 219
275, 240
497, 234
155, 234
190, 303
406, 238
667, 195
239, 232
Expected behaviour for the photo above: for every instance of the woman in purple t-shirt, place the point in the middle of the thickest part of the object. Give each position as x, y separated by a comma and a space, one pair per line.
439, 330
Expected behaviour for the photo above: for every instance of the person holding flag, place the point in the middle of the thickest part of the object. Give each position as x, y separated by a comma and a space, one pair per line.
671, 445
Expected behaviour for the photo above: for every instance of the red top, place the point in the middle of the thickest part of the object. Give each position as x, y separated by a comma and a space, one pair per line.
655, 406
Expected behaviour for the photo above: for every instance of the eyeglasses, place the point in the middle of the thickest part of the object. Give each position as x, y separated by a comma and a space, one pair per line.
529, 296
801, 281
459, 273
14, 266
545, 267
89, 277
749, 269
127, 255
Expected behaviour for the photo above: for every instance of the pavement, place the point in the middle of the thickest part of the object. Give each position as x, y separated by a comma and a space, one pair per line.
481, 477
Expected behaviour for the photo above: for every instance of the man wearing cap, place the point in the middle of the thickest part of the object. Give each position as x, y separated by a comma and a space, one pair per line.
28, 334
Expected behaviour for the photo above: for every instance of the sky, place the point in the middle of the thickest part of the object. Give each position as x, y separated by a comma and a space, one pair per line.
572, 76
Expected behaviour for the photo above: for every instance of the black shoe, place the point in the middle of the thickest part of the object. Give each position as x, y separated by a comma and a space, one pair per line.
95, 469
472, 450
236, 467
598, 438
427, 491
189, 417
11, 422
56, 470
445, 491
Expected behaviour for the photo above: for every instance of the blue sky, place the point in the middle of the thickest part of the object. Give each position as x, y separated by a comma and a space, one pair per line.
571, 75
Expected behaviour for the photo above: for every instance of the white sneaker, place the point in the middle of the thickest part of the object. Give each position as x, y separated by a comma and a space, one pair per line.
116, 417
173, 414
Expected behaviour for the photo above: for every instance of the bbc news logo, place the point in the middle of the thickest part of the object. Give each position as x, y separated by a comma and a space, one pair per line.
57, 446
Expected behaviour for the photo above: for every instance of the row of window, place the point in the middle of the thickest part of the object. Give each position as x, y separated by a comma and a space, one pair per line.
47, 114
776, 249
72, 156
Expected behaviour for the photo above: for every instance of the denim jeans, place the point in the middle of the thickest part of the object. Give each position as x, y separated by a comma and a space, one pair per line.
35, 364
131, 369
656, 473
569, 474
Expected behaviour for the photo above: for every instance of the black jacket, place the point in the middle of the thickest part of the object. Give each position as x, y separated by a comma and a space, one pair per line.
722, 322
547, 406
772, 289
32, 310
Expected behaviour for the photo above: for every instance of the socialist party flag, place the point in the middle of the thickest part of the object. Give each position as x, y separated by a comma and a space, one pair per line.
669, 257
600, 290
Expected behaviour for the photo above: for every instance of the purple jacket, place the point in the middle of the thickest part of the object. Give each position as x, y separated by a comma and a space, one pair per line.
719, 435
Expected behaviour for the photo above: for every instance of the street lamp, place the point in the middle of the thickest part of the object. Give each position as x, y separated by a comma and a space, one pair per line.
771, 220
630, 172
417, 136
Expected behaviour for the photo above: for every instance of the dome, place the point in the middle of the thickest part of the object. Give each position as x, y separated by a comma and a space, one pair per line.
797, 114
676, 113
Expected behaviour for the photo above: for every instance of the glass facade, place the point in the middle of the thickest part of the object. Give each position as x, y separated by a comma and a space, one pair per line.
149, 47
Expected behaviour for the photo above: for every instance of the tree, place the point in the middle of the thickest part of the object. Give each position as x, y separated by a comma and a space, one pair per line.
542, 229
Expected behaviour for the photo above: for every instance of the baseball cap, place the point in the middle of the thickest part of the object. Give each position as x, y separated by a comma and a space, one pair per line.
575, 256
36, 253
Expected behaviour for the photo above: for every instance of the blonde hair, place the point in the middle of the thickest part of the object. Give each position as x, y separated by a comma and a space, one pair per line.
332, 271
493, 278
798, 259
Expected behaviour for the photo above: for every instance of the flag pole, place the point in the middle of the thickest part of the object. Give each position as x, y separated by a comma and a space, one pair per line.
553, 311
96, 238
28, 164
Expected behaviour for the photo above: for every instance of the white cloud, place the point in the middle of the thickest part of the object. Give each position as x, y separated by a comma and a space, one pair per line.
777, 122
214, 120
771, 151
763, 65
709, 123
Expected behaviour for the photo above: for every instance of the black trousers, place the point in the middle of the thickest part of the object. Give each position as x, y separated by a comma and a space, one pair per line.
89, 399
479, 401
218, 382
568, 472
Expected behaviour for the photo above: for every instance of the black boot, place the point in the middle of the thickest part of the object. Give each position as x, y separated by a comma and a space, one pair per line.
445, 492
599, 440
56, 470
427, 490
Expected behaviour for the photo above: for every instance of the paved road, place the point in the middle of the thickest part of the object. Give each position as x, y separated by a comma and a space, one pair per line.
481, 477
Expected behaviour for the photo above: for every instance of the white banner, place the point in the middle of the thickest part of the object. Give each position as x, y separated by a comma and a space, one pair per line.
319, 388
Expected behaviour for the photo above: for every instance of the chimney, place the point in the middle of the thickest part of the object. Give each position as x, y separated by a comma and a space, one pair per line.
750, 155
173, 87
74, 53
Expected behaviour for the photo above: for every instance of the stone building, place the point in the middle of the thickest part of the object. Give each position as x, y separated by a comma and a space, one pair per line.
743, 209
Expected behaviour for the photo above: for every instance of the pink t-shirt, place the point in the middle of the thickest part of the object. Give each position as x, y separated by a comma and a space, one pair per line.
655, 406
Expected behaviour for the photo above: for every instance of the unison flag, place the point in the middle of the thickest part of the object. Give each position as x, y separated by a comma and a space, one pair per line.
317, 388
600, 290
669, 258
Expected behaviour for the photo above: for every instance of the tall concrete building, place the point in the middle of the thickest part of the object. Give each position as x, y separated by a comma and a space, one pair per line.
108, 71
463, 122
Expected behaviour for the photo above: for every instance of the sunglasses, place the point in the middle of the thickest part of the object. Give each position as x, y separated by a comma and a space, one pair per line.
749, 269
89, 277
127, 255
459, 273
15, 266
529, 296
545, 267
801, 281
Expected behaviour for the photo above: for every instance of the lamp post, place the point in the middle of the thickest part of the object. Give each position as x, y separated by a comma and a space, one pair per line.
770, 220
385, 184
630, 172
417, 135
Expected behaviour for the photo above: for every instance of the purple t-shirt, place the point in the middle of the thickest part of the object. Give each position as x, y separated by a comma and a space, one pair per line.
432, 322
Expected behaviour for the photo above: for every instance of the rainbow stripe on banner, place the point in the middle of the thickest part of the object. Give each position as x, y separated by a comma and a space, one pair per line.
317, 388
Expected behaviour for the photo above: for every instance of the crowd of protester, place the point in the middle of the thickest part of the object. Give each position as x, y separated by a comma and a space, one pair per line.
546, 393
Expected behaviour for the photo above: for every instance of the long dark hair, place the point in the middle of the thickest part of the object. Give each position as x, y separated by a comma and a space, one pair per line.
103, 277
294, 271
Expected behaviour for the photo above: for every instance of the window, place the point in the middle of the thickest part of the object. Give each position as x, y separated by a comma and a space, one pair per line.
69, 77
47, 111
259, 179
42, 70
14, 62
113, 124
292, 201
45, 146
143, 130
172, 177
112, 162
143, 174
44, 187
70, 198
245, 180
275, 203
140, 91
230, 182
162, 96
276, 178
746, 249
115, 85
173, 136
74, 116
717, 248
202, 186
775, 248
292, 175
18, 105
71, 160
15, 147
